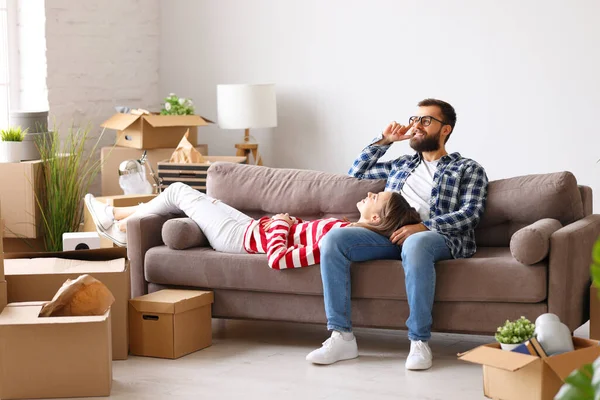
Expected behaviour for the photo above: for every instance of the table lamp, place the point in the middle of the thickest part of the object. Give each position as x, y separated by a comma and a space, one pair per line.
247, 107
132, 177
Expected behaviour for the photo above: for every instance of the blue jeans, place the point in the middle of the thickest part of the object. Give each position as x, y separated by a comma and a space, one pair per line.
340, 247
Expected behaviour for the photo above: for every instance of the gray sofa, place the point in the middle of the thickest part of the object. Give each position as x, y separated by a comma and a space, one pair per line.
534, 251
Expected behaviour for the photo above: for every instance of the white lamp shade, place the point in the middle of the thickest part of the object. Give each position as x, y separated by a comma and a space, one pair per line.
247, 106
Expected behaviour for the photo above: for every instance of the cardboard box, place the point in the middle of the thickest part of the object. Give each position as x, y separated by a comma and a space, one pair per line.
115, 201
516, 376
38, 276
154, 131
3, 289
54, 356
19, 183
192, 174
112, 157
170, 323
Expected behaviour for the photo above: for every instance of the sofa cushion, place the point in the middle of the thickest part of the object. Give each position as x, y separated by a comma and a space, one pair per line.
517, 202
531, 244
260, 191
493, 274
183, 233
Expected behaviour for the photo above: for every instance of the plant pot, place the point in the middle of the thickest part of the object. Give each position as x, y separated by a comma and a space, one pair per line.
509, 347
30, 149
10, 152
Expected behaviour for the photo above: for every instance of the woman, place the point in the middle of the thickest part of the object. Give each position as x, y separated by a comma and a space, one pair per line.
288, 241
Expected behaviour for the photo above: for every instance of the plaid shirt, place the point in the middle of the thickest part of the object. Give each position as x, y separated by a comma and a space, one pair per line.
457, 199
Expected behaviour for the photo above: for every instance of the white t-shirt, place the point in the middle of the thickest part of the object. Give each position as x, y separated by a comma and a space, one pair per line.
418, 186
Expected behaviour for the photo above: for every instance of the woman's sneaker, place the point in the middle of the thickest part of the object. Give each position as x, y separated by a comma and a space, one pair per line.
104, 220
334, 349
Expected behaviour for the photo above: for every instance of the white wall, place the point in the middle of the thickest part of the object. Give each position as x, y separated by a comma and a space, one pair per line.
99, 55
523, 76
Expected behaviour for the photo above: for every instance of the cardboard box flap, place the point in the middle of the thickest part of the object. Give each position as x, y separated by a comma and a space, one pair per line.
171, 301
27, 314
120, 121
89, 255
492, 356
161, 121
40, 266
586, 351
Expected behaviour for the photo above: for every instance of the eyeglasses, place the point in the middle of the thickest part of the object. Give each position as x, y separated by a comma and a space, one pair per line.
425, 120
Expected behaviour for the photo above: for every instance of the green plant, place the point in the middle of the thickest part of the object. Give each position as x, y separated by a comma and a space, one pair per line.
67, 171
177, 106
584, 383
13, 134
515, 332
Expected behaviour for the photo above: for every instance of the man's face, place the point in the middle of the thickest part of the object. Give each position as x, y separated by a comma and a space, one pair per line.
427, 138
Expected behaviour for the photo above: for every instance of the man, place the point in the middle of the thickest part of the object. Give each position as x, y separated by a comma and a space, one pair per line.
447, 190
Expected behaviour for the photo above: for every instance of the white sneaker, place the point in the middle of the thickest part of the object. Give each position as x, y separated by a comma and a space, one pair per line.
334, 349
420, 356
115, 235
99, 213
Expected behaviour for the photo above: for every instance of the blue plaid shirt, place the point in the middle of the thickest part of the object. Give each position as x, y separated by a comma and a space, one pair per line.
457, 199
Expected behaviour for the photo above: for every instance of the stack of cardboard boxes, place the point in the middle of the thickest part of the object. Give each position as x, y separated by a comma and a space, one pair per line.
158, 135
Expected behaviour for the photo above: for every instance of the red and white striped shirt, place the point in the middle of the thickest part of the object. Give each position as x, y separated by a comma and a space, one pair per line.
289, 246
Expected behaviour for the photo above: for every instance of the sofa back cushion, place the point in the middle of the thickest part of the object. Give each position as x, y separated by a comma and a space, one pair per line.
260, 191
514, 203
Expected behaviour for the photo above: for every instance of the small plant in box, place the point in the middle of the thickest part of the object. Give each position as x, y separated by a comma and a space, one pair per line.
177, 106
513, 333
11, 146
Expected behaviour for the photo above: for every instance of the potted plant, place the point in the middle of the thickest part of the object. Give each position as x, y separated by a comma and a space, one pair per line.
513, 333
11, 146
177, 106
68, 170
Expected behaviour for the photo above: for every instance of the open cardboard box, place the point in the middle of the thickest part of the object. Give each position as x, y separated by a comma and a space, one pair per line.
53, 356
112, 157
515, 376
154, 131
38, 276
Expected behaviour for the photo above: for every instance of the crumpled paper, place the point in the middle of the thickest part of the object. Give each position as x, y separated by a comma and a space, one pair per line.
83, 296
185, 153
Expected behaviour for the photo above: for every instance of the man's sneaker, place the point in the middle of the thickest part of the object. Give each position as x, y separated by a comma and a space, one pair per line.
99, 212
334, 349
420, 356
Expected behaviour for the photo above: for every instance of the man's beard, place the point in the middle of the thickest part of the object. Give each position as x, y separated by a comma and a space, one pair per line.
430, 142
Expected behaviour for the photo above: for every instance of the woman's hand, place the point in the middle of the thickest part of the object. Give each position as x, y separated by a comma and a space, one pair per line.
283, 217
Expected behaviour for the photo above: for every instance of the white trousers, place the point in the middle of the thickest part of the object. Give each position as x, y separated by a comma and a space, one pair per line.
223, 226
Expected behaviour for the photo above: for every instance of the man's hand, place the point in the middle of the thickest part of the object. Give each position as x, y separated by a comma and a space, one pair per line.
401, 234
395, 132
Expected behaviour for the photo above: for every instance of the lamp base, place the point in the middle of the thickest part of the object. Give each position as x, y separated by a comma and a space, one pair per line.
247, 149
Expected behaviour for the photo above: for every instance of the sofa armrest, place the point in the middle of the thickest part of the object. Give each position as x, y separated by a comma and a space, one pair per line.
143, 233
569, 270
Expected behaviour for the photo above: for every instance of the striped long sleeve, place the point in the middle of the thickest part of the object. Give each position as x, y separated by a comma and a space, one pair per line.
287, 246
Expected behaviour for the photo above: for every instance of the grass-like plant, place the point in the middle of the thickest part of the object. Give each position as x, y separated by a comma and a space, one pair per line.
68, 170
13, 134
515, 332
584, 383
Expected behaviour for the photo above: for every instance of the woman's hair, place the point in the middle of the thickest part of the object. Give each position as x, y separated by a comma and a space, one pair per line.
395, 214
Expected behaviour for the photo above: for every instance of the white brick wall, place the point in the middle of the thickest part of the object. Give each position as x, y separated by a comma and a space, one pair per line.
101, 54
